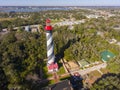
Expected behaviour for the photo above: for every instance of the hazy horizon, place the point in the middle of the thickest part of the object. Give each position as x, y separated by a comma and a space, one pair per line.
60, 6
60, 3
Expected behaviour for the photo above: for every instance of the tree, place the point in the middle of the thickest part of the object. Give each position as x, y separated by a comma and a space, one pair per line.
3, 80
19, 56
10, 27
0, 27
113, 65
108, 81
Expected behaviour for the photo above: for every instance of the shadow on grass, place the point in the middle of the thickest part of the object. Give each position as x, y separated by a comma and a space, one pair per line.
107, 75
67, 77
59, 64
37, 85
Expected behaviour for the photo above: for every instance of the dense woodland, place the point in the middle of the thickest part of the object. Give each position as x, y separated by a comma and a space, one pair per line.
108, 81
22, 53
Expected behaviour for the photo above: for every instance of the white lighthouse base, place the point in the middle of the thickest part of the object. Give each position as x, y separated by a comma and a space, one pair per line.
53, 67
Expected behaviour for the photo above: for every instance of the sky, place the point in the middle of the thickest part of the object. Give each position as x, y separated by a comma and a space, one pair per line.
59, 2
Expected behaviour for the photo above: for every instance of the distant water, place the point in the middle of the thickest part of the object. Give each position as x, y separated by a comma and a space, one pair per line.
30, 9
100, 7
45, 8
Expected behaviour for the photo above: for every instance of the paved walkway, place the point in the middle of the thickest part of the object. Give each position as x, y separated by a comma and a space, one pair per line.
82, 72
88, 70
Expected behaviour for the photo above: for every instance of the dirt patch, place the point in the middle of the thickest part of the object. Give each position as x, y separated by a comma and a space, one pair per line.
71, 65
92, 77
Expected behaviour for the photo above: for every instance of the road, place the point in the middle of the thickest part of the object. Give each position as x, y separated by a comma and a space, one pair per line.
63, 23
88, 70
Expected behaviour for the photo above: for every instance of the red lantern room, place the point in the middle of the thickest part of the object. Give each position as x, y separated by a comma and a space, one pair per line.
48, 26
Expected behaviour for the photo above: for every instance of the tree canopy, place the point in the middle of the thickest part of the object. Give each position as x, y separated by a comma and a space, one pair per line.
108, 81
20, 54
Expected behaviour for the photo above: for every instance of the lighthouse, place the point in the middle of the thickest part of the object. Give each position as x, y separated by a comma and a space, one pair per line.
51, 63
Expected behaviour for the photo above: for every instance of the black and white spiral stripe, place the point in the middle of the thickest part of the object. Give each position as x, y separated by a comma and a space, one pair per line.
50, 47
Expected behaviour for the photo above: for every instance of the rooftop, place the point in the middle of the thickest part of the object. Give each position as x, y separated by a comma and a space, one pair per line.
63, 85
83, 63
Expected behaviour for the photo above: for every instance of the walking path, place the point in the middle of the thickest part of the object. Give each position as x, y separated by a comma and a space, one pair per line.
88, 70
82, 72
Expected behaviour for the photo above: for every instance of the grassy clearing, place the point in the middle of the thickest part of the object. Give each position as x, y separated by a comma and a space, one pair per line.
64, 78
8, 19
61, 70
55, 21
51, 82
104, 70
95, 73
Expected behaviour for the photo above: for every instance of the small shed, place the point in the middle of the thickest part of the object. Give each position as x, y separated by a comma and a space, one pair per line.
106, 55
27, 28
83, 63
34, 29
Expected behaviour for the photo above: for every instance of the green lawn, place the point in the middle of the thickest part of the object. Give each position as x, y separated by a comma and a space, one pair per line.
45, 70
95, 73
61, 70
8, 19
104, 70
66, 77
51, 82
55, 21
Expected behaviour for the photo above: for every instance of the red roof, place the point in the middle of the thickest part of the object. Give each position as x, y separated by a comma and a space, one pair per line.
53, 66
49, 28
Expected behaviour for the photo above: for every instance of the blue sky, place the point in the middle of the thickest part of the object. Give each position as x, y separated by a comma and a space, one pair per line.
59, 2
